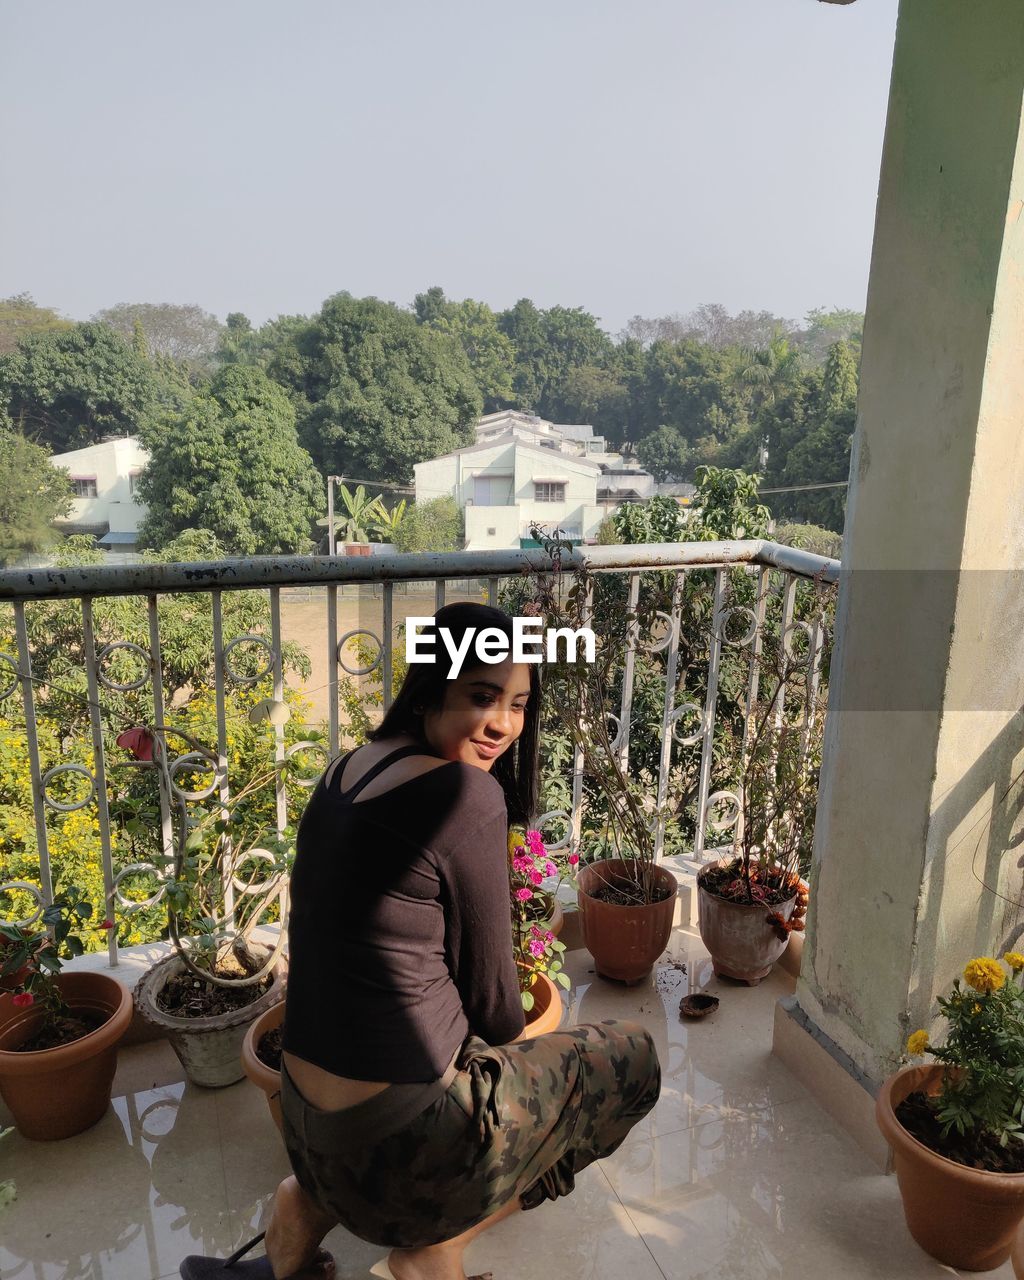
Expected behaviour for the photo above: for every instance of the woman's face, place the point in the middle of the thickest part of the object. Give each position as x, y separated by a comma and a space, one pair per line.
483, 714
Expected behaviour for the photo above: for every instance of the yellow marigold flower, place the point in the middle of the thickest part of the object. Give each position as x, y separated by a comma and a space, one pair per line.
918, 1043
976, 1009
984, 974
1014, 959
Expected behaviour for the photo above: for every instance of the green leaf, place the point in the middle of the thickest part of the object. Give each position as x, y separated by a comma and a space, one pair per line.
528, 1001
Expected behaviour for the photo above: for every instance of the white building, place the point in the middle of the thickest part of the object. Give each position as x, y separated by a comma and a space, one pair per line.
524, 469
104, 477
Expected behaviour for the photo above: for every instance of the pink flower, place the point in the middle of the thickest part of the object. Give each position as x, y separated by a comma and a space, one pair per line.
522, 864
536, 842
23, 999
536, 947
550, 869
524, 895
531, 609
573, 859
138, 741
536, 877
105, 924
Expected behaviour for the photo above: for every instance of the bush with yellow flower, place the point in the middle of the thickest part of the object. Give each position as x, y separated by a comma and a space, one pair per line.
982, 1094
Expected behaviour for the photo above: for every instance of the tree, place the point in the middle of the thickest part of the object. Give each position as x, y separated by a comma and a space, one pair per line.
664, 454
474, 325
823, 328
770, 371
694, 389
183, 332
69, 388
33, 493
839, 382
595, 395
358, 514
230, 463
661, 519
436, 525
726, 506
389, 523
375, 391
20, 316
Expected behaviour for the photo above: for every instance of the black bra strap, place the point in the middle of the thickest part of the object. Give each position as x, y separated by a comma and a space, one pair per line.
374, 769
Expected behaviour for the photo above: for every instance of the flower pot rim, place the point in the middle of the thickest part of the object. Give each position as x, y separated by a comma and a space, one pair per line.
888, 1122
251, 1061
149, 984
18, 1062
730, 902
664, 875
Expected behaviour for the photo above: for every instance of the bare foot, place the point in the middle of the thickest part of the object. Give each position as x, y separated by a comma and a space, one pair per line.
433, 1262
294, 1233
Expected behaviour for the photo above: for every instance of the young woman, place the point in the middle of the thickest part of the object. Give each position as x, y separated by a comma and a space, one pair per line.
411, 1116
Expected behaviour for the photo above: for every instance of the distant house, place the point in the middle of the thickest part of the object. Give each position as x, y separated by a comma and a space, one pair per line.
523, 469
104, 478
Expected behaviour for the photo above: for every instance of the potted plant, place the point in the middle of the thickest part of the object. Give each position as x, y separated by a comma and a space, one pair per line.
955, 1125
359, 515
626, 899
752, 901
228, 871
536, 949
58, 1031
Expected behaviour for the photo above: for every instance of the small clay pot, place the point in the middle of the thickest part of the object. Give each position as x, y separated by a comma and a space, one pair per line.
743, 945
966, 1218
262, 1076
210, 1049
624, 941
546, 1014
698, 1006
56, 1093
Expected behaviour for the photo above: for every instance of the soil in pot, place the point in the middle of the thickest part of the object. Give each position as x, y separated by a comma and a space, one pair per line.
187, 996
975, 1151
64, 1030
627, 896
269, 1048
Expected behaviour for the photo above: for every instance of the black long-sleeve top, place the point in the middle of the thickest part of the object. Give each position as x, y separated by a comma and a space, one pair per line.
400, 934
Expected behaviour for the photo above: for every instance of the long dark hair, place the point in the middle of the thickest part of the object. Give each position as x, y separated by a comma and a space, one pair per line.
424, 688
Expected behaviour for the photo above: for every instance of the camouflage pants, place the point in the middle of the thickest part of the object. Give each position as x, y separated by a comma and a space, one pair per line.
519, 1120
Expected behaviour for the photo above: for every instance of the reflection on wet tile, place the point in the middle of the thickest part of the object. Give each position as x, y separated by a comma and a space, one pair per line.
127, 1198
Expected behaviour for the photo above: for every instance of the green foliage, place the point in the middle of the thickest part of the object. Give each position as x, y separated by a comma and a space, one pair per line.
388, 523
809, 537
664, 453
32, 958
661, 519
375, 392
357, 514
726, 506
437, 525
983, 1089
68, 388
33, 493
20, 317
824, 328
230, 462
474, 325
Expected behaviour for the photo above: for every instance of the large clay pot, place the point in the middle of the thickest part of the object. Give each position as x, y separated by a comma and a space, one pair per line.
546, 1014
210, 1049
262, 1076
743, 945
624, 941
56, 1093
965, 1218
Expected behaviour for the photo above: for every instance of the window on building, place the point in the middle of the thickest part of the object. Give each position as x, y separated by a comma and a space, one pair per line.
84, 486
133, 481
548, 491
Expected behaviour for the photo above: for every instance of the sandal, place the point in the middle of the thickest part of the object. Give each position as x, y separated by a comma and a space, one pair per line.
197, 1267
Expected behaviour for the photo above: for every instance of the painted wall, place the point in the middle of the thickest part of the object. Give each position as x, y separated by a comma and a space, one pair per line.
111, 464
925, 734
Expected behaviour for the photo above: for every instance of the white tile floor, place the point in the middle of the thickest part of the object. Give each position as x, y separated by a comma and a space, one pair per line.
737, 1174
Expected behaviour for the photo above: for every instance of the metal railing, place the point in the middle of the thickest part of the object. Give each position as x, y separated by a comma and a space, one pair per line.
256, 659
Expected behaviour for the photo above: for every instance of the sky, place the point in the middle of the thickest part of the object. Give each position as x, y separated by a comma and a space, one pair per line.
261, 155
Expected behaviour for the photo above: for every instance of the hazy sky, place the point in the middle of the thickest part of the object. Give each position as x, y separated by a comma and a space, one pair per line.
627, 156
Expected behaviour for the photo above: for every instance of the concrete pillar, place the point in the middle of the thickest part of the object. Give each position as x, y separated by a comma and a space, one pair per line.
925, 737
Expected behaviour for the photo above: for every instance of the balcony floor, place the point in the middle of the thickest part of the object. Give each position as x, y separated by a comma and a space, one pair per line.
737, 1173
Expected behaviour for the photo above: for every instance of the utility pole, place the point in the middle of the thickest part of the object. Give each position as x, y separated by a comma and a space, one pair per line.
331, 481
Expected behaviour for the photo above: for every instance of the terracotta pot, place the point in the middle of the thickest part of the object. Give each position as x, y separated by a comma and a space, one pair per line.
1017, 1255
357, 549
262, 1076
965, 1218
624, 941
741, 942
554, 921
547, 1012
56, 1093
210, 1049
